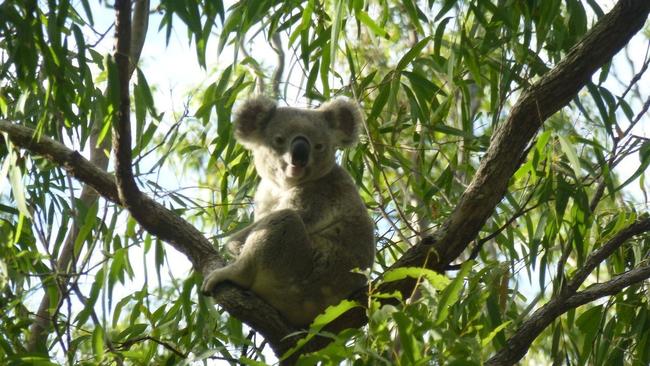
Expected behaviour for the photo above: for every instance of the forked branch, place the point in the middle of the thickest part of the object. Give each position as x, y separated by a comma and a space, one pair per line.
518, 343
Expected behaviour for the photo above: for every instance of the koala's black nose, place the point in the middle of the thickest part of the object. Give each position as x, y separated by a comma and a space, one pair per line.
299, 151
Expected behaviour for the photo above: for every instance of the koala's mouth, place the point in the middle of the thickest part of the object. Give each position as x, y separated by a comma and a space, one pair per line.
295, 171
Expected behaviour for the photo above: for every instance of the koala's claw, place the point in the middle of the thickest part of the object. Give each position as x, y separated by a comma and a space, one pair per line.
206, 290
209, 283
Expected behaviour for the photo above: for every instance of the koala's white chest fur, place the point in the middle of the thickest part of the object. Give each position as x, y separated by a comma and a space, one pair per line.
270, 197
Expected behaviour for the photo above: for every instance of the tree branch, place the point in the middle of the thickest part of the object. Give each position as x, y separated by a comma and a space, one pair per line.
611, 287
517, 345
165, 224
547, 96
602, 253
127, 189
152, 216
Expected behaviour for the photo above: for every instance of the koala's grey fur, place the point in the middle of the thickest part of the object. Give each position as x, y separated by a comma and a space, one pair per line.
311, 227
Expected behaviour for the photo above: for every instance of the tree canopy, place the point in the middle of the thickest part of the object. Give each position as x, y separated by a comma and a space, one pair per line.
503, 158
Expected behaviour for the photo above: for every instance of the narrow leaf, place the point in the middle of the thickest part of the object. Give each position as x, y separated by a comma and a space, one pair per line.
570, 152
436, 279
412, 53
452, 292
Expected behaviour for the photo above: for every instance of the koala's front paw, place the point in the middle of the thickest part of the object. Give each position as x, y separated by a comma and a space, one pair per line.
234, 247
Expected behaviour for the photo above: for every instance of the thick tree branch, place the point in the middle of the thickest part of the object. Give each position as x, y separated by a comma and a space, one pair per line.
165, 224
127, 189
545, 97
155, 218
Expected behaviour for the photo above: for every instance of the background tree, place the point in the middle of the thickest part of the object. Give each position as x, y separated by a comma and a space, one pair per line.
503, 147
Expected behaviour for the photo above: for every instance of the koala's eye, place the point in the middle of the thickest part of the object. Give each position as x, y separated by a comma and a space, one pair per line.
278, 140
319, 147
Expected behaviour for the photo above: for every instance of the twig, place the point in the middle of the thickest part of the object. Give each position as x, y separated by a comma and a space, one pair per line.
276, 79
130, 342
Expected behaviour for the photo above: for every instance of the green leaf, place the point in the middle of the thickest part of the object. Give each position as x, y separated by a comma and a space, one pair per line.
440, 31
437, 280
411, 350
86, 228
336, 30
589, 324
486, 341
444, 9
570, 152
380, 101
448, 130
368, 22
329, 315
18, 190
133, 331
146, 91
412, 53
97, 286
22, 101
413, 13
325, 65
451, 293
311, 79
88, 11
644, 157
602, 109
305, 22
98, 343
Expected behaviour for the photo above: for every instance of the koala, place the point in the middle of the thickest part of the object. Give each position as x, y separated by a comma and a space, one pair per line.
311, 228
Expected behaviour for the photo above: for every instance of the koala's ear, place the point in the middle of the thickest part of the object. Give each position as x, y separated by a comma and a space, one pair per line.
344, 116
252, 117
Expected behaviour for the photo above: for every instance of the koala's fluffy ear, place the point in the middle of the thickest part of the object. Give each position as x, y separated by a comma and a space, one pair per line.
251, 118
344, 116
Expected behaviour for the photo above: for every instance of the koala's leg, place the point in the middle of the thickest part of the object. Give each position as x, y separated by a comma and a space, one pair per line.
277, 251
281, 247
239, 272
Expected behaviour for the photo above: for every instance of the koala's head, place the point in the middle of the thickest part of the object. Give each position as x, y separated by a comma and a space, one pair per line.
292, 145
